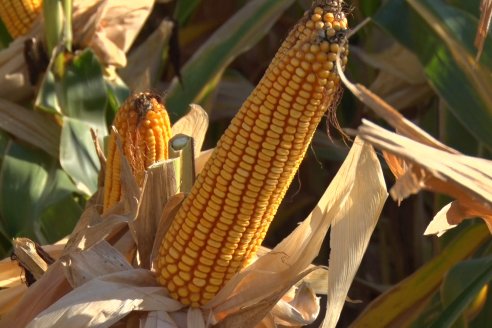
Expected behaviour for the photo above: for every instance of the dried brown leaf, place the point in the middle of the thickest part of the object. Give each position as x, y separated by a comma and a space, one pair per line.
159, 319
391, 115
302, 310
419, 166
117, 293
279, 268
193, 124
98, 260
483, 26
160, 186
9, 298
44, 292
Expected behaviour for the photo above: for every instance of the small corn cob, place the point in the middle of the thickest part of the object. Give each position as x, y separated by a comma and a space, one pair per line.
144, 127
18, 15
223, 221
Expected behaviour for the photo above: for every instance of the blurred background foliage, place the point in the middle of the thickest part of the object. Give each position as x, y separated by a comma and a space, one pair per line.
406, 53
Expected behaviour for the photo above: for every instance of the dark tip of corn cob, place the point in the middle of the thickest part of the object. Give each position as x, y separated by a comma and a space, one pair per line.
145, 129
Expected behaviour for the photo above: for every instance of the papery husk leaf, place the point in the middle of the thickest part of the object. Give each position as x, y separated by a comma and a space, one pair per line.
10, 273
361, 192
439, 224
193, 124
418, 166
317, 279
302, 310
295, 253
159, 319
27, 255
194, 318
9, 298
117, 293
160, 186
44, 292
391, 115
202, 159
99, 260
250, 314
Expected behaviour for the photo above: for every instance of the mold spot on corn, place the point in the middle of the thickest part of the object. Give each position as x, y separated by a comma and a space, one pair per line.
240, 189
145, 130
19, 15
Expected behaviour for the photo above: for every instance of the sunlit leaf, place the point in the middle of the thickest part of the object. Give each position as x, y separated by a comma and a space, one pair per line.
404, 297
458, 85
30, 182
184, 9
461, 286
82, 91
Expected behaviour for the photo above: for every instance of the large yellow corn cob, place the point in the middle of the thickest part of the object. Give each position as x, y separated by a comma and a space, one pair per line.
18, 15
144, 127
225, 218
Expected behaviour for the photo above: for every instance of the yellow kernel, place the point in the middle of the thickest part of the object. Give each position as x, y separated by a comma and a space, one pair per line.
199, 282
316, 17
328, 17
318, 10
178, 281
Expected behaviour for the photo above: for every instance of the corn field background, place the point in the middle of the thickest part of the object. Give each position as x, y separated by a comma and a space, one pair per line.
409, 52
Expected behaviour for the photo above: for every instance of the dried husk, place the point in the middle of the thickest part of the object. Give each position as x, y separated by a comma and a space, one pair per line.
102, 267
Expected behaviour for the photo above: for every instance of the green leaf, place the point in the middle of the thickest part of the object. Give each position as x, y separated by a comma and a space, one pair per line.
461, 286
397, 304
83, 94
184, 9
46, 99
58, 220
368, 8
30, 126
53, 16
470, 6
77, 155
456, 136
237, 35
5, 37
463, 88
30, 182
117, 93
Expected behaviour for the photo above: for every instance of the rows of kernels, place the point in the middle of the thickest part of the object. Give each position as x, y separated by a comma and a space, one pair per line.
18, 15
226, 215
144, 127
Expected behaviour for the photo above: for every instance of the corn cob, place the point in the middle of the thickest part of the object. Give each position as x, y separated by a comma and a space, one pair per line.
18, 15
144, 127
223, 221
